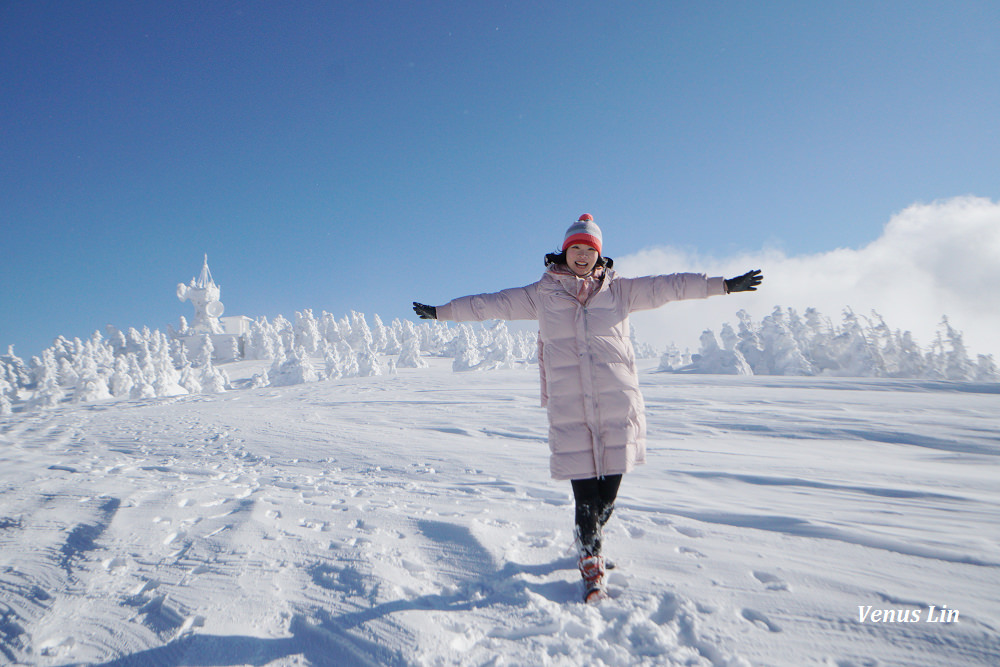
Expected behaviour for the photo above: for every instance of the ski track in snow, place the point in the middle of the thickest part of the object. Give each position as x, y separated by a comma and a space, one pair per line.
410, 520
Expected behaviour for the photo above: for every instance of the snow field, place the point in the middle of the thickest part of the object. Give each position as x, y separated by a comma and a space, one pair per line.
410, 520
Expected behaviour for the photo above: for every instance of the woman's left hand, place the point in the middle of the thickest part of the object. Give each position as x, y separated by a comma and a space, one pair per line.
748, 282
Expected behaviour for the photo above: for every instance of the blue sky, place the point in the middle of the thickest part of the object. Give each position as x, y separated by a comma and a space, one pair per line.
362, 155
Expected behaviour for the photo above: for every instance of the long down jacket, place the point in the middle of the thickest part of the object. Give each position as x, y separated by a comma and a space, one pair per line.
597, 422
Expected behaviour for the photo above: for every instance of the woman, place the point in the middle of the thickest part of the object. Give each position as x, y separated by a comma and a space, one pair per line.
597, 424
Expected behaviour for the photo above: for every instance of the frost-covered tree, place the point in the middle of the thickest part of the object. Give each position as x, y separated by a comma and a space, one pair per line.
526, 346
306, 333
380, 337
348, 360
955, 363
284, 334
329, 329
498, 348
670, 359
986, 369
67, 375
121, 381
409, 356
142, 385
360, 337
910, 360
166, 378
260, 380
407, 332
642, 350
782, 355
466, 350
91, 385
392, 344
855, 355
712, 358
213, 380
206, 350
190, 379
749, 344
14, 370
460, 340
116, 340
368, 363
48, 392
331, 361
261, 341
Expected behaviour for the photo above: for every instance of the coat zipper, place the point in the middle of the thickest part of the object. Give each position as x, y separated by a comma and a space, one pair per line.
596, 444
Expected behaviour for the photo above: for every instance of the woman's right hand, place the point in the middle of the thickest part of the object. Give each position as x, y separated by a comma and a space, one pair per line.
425, 312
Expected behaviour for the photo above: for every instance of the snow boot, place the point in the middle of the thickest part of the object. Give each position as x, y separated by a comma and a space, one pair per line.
593, 573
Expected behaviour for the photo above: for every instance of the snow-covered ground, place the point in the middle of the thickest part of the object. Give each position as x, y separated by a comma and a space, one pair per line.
409, 519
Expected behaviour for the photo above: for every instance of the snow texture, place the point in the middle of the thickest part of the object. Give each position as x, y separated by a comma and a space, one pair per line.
408, 519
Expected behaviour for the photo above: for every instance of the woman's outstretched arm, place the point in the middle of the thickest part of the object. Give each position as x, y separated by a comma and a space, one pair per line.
517, 303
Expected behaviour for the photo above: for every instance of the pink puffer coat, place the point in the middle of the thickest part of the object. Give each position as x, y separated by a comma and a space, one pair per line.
597, 422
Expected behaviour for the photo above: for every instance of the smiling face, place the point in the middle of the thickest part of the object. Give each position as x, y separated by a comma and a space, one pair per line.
581, 258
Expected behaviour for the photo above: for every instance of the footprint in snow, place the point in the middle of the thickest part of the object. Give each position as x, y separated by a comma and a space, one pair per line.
57, 647
689, 532
115, 565
688, 551
772, 582
174, 536
760, 620
635, 532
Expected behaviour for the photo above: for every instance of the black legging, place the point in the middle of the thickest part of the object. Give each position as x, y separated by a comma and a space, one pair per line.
595, 501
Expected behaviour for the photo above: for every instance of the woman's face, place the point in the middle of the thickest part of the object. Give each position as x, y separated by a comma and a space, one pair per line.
581, 258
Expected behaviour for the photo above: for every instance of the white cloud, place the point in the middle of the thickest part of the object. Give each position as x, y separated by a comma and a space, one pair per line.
932, 260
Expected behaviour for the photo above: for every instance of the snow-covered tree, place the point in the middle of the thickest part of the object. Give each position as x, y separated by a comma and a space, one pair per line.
782, 355
670, 359
307, 334
368, 363
360, 337
348, 360
213, 380
410, 356
48, 392
955, 361
166, 378
329, 329
91, 385
498, 352
986, 369
121, 380
380, 336
712, 358
14, 370
465, 350
642, 350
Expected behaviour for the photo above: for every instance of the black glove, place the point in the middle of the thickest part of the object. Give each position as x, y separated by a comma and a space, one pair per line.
425, 312
746, 283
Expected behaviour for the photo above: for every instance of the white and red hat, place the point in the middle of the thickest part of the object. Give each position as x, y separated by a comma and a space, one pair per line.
584, 230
